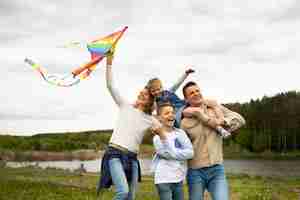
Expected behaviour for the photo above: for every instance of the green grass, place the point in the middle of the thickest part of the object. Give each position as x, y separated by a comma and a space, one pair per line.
38, 184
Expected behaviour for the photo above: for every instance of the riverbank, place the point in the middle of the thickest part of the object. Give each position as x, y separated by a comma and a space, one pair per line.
35, 183
23, 156
89, 145
146, 151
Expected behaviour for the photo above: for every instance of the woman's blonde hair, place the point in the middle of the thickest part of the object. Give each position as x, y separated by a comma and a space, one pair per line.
149, 107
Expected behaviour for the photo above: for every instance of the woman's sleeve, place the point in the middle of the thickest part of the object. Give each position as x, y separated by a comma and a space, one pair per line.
111, 86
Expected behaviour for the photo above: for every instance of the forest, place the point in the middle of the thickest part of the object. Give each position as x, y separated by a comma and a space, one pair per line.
272, 124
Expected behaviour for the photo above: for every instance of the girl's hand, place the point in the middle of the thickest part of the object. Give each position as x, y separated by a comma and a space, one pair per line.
189, 71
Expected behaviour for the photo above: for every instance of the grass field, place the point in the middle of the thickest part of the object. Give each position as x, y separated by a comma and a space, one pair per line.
37, 184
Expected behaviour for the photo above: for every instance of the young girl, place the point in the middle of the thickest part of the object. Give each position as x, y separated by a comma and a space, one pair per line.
119, 165
167, 95
173, 148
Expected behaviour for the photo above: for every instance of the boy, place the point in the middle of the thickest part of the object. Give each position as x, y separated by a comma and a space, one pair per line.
173, 148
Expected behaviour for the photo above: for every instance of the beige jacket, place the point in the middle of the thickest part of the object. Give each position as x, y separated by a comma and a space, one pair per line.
207, 144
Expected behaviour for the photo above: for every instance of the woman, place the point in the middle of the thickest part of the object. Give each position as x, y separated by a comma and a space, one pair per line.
120, 166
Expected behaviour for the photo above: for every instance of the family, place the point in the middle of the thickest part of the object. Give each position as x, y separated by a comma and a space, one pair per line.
188, 136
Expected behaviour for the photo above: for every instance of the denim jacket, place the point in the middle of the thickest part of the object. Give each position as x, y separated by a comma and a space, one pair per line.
126, 158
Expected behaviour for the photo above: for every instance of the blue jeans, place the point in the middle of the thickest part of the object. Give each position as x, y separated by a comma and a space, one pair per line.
124, 190
211, 178
170, 191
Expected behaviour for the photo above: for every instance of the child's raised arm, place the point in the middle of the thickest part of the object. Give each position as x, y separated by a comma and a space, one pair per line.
181, 80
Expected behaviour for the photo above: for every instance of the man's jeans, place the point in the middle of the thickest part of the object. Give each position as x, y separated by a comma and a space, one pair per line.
170, 191
211, 178
124, 191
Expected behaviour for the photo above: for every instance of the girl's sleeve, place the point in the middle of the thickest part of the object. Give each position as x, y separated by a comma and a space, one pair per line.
233, 120
178, 83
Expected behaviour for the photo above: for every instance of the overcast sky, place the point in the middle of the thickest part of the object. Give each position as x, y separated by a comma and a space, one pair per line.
240, 49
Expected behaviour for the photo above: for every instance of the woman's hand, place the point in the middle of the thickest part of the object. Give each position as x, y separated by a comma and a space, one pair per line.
157, 129
109, 58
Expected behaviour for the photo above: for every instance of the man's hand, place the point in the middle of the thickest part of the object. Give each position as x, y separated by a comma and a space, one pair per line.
189, 71
198, 112
191, 111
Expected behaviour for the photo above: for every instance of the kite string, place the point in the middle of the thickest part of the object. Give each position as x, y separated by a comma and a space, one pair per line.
74, 44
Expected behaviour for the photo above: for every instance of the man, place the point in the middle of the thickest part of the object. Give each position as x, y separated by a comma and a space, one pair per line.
205, 169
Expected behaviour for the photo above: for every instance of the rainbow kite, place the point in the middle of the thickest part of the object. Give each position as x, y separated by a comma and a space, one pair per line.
98, 49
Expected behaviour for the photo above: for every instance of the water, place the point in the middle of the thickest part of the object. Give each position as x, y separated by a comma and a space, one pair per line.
276, 168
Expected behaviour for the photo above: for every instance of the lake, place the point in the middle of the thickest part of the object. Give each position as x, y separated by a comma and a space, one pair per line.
275, 168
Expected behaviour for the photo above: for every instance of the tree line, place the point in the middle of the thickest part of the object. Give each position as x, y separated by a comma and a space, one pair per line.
57, 142
272, 123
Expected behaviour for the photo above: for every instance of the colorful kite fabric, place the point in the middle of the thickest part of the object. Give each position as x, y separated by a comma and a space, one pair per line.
98, 49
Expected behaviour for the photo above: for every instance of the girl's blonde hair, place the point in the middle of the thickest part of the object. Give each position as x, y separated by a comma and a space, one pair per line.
152, 82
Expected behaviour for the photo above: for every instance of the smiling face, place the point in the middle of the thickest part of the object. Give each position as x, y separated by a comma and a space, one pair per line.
144, 100
155, 87
193, 95
166, 115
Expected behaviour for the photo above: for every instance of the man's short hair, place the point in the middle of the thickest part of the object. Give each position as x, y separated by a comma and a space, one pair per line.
188, 84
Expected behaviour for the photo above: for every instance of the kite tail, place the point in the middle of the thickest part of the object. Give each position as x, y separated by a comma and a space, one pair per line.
30, 62
62, 81
37, 67
88, 66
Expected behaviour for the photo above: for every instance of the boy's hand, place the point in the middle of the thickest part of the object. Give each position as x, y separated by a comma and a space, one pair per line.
189, 71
